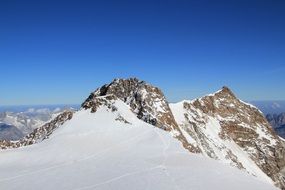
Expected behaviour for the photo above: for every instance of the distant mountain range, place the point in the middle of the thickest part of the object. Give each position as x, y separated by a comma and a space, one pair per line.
10, 132
36, 108
275, 114
22, 120
270, 107
277, 121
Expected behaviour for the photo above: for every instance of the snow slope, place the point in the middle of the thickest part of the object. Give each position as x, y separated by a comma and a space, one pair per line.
102, 151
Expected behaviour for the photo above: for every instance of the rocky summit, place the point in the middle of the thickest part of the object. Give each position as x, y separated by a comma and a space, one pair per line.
218, 126
146, 101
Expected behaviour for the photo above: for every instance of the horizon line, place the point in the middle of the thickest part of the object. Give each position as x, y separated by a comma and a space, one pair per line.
67, 104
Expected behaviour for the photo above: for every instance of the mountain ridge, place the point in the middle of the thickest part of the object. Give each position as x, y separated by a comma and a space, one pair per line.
219, 125
239, 126
97, 151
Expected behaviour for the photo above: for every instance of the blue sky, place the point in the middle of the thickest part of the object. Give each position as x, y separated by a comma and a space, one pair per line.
59, 51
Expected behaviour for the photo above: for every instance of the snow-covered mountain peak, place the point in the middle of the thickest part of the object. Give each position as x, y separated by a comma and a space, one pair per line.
228, 129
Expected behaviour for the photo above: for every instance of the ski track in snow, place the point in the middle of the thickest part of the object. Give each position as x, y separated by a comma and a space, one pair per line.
95, 156
161, 161
161, 166
118, 178
166, 147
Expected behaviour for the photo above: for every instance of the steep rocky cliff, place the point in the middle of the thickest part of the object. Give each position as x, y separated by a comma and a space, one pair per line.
227, 129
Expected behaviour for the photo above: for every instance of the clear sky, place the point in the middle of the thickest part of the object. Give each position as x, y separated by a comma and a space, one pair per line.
59, 51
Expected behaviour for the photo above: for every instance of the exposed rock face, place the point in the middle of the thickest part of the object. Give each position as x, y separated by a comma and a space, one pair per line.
40, 133
145, 100
225, 128
277, 121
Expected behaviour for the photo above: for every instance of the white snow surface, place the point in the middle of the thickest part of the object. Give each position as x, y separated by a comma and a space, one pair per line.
94, 151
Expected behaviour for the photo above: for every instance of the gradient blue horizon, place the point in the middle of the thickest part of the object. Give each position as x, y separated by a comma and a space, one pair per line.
55, 52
